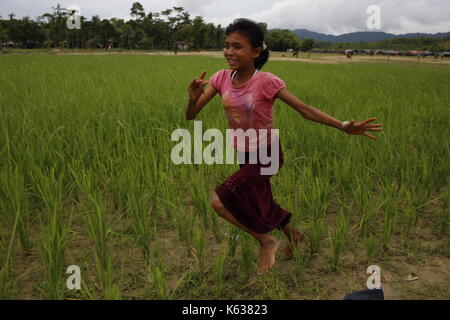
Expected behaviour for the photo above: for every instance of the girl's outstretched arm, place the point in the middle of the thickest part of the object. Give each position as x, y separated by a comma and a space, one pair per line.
198, 97
314, 114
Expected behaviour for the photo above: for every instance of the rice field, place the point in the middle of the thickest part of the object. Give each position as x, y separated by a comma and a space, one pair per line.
86, 179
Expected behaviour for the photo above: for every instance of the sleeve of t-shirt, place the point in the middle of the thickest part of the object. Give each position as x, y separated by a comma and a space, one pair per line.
216, 80
271, 86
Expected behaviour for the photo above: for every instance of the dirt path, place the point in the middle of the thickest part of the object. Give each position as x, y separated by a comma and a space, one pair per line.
319, 58
276, 56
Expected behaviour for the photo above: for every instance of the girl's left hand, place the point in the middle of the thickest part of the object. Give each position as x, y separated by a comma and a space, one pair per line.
362, 127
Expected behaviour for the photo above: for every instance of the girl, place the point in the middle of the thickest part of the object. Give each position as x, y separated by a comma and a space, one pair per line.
245, 198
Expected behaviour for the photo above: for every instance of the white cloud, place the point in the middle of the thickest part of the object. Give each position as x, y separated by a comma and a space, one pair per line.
342, 16
196, 7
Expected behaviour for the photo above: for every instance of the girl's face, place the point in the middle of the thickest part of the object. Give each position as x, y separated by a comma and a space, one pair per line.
239, 52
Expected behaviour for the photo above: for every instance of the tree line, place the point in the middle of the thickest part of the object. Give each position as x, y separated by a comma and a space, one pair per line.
153, 30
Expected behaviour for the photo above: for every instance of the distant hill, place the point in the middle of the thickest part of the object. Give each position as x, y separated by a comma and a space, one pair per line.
365, 36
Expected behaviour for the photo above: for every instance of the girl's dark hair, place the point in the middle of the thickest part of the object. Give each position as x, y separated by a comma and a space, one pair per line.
256, 36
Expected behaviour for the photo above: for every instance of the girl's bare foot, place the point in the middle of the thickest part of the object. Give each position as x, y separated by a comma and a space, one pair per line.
267, 251
295, 237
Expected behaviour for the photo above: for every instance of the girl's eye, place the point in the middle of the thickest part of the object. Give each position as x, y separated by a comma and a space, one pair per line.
237, 47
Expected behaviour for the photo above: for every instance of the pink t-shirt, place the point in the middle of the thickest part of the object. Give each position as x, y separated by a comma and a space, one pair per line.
249, 106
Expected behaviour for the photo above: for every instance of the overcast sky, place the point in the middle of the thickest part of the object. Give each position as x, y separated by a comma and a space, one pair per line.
326, 16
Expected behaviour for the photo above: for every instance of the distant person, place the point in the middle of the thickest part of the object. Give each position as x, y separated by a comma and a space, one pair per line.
349, 53
295, 54
245, 199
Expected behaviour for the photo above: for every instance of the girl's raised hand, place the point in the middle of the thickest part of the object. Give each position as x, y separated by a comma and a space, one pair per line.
197, 87
362, 127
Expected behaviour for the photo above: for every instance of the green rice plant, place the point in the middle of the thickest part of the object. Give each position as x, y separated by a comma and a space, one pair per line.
158, 249
272, 287
100, 234
300, 259
316, 201
6, 276
184, 223
420, 198
338, 239
316, 234
200, 199
390, 217
138, 206
371, 244
160, 284
247, 253
119, 187
343, 175
366, 204
216, 228
53, 243
315, 194
164, 201
3, 245
171, 207
426, 178
233, 240
162, 290
389, 225
218, 273
52, 249
199, 246
87, 292
14, 201
444, 222
409, 219
389, 208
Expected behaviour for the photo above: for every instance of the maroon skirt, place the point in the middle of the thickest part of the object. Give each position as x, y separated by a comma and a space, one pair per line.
247, 194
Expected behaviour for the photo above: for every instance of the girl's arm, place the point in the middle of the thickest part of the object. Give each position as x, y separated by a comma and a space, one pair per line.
198, 98
306, 111
316, 115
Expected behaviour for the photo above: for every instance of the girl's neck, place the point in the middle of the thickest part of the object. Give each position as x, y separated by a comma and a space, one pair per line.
244, 74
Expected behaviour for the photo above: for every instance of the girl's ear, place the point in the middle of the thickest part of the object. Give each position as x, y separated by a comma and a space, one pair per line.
258, 52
